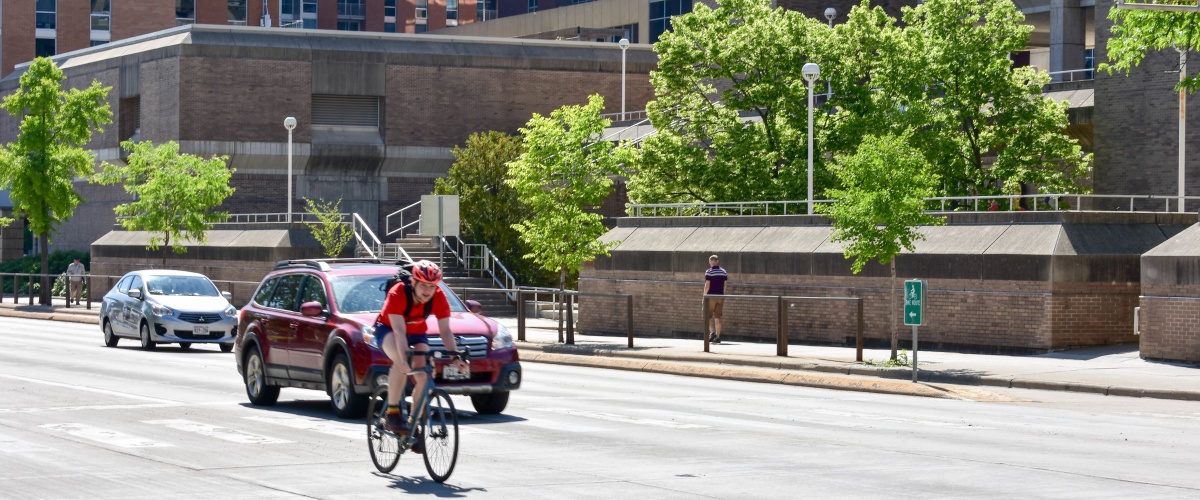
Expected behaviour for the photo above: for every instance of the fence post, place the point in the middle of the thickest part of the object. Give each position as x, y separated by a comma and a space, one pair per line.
858, 336
570, 319
87, 283
629, 318
781, 340
704, 328
31, 289
521, 315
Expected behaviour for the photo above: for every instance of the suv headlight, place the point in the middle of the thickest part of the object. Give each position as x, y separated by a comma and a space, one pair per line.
368, 334
502, 339
160, 310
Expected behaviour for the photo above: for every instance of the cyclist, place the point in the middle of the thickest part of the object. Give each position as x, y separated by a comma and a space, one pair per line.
425, 290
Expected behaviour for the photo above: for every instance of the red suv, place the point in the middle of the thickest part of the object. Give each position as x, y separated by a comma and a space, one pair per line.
285, 340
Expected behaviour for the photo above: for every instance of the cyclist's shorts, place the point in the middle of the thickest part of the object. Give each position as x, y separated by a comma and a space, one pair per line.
382, 331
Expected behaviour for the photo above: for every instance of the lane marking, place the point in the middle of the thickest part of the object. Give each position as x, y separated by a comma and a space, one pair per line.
885, 418
352, 431
90, 389
214, 431
612, 417
561, 426
14, 445
105, 436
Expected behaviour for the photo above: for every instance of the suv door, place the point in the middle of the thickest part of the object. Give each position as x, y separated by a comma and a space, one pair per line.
277, 326
307, 346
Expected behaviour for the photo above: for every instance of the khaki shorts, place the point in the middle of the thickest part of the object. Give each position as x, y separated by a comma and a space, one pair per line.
716, 307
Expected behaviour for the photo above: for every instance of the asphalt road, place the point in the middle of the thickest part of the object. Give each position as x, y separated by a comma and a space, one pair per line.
78, 420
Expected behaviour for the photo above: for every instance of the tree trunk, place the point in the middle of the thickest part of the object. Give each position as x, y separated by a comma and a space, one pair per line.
44, 295
562, 296
165, 248
892, 314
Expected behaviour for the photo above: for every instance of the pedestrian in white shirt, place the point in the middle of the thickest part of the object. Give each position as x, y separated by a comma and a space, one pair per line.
75, 273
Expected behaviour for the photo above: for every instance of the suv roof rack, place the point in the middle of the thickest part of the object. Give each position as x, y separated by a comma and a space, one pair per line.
323, 264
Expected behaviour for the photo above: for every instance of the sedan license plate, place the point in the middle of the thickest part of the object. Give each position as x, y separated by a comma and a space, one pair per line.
199, 330
449, 372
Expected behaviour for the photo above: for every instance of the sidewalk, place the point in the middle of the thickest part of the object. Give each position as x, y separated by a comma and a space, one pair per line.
1113, 370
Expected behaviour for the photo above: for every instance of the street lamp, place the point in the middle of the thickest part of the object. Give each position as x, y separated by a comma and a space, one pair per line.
290, 123
811, 72
1182, 121
624, 44
830, 13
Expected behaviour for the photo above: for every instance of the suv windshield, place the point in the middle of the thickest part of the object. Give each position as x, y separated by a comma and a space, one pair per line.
195, 286
364, 293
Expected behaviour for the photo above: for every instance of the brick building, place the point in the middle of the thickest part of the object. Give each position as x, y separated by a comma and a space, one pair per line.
378, 113
47, 27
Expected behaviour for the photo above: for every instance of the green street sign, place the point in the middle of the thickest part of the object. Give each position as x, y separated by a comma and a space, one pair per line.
914, 302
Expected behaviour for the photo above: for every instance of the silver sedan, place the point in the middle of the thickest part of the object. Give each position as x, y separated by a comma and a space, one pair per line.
162, 306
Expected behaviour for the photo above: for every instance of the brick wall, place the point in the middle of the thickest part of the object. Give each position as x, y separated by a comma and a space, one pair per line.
214, 12
159, 100
133, 18
74, 26
1170, 323
241, 100
19, 35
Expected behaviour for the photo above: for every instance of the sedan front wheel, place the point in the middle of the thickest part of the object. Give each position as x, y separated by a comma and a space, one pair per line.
147, 343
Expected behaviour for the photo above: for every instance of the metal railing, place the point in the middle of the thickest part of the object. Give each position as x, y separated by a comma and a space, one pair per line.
360, 229
238, 290
1056, 202
1072, 75
400, 226
626, 116
570, 296
783, 303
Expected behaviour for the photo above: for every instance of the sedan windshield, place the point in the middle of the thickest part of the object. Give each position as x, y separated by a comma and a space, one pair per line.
359, 294
193, 286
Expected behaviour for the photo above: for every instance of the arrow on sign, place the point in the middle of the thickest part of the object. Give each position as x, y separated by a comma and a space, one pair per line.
912, 314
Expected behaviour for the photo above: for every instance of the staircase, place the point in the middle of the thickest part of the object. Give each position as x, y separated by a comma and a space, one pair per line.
455, 276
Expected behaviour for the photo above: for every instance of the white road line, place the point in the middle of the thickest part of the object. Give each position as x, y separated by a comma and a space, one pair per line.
612, 417
105, 436
90, 389
218, 432
886, 418
14, 445
352, 431
474, 430
93, 407
561, 426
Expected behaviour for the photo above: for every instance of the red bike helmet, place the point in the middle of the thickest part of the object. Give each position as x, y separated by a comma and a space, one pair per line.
426, 271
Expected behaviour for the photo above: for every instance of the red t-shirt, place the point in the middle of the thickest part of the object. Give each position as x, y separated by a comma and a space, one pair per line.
415, 322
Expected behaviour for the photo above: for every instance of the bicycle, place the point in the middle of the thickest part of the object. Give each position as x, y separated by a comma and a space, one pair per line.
431, 419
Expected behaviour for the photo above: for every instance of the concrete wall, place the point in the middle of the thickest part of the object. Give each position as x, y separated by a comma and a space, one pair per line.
1015, 282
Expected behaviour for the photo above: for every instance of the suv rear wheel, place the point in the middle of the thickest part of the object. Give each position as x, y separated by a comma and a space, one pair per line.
346, 403
490, 404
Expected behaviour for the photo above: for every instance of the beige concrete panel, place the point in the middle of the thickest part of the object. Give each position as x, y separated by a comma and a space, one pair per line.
1186, 243
803, 239
963, 240
617, 235
719, 239
1038, 239
656, 238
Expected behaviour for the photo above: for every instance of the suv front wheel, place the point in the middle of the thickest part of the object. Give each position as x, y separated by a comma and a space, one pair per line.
490, 404
346, 403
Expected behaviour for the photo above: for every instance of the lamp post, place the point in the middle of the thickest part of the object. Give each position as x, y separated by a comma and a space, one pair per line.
624, 44
1182, 122
830, 13
811, 72
289, 123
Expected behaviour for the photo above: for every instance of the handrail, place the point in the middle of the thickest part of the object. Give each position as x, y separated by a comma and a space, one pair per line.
387, 221
1051, 202
360, 224
1088, 74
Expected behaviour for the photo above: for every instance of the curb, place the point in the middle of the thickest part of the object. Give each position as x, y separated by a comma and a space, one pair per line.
88, 318
671, 364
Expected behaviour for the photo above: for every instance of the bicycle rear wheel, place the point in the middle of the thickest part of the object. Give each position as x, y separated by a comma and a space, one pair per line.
384, 446
439, 429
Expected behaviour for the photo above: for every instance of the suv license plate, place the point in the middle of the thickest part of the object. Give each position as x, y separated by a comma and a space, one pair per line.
451, 373
199, 330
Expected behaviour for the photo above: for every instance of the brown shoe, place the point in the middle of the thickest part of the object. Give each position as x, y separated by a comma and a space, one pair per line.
395, 424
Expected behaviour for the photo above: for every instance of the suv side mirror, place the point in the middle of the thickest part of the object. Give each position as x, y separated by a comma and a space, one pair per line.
135, 293
474, 306
312, 309
228, 296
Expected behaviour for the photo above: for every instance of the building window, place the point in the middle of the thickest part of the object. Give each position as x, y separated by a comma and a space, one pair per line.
98, 42
422, 28
422, 9
661, 13
532, 6
1089, 62
389, 27
45, 14
185, 12
451, 12
631, 33
43, 47
349, 25
100, 15
487, 10
351, 8
237, 12
389, 8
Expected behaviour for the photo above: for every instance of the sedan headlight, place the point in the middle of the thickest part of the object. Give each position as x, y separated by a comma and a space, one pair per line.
503, 339
160, 310
231, 312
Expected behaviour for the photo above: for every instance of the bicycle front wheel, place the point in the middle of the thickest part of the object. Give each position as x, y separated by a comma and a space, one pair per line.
439, 429
384, 446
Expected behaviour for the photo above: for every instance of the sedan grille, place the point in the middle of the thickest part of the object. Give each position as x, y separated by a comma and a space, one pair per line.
200, 318
477, 345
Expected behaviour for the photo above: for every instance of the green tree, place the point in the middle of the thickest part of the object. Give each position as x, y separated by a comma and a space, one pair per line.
477, 177
563, 173
880, 204
731, 106
176, 194
331, 230
1136, 33
40, 167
